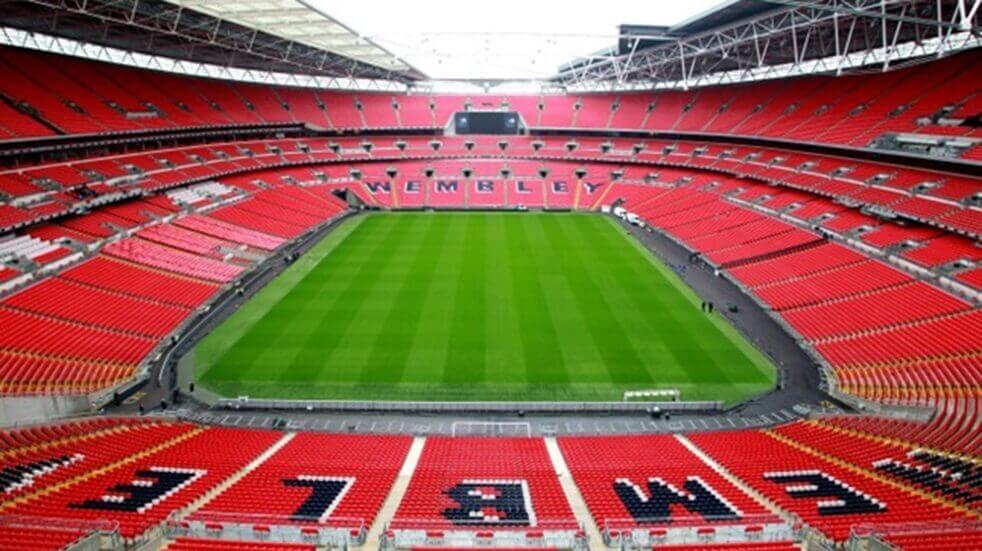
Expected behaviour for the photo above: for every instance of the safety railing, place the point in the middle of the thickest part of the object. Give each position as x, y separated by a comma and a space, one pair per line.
554, 534
88, 534
696, 530
260, 527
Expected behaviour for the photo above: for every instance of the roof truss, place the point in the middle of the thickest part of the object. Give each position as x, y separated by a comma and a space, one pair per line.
159, 27
797, 37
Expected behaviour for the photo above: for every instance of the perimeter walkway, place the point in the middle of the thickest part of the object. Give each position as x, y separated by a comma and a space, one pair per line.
573, 496
391, 503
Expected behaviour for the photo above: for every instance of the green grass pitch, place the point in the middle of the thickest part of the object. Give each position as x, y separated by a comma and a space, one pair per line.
478, 306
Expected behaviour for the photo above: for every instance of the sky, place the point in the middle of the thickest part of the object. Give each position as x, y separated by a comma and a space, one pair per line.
505, 39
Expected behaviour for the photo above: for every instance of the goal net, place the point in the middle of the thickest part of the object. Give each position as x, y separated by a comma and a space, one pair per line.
491, 428
653, 395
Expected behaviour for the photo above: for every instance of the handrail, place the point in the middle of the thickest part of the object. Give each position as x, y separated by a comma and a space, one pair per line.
269, 519
58, 524
916, 528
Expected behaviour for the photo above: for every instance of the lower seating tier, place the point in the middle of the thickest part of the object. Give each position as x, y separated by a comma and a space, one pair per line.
301, 484
472, 483
138, 473
825, 491
631, 481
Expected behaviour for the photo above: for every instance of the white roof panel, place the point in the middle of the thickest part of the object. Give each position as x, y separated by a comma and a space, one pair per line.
296, 20
501, 40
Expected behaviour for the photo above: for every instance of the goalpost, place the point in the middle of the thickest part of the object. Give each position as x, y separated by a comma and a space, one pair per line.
653, 394
491, 428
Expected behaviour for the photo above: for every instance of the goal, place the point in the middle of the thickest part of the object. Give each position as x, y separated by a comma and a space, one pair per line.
655, 394
491, 428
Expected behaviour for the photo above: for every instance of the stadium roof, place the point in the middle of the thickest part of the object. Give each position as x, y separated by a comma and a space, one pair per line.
425, 43
742, 40
298, 21
285, 36
722, 14
511, 40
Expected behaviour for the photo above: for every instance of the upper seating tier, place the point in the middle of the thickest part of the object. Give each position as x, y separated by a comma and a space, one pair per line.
847, 110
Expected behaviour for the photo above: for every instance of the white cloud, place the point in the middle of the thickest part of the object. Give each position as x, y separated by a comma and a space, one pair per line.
503, 39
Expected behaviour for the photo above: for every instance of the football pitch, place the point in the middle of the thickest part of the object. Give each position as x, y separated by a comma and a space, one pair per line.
478, 306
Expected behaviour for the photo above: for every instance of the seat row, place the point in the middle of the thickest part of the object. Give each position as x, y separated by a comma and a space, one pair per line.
850, 110
136, 474
884, 334
89, 326
936, 198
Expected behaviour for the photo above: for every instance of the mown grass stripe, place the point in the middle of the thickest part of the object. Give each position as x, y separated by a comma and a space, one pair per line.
478, 306
393, 344
465, 360
542, 350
